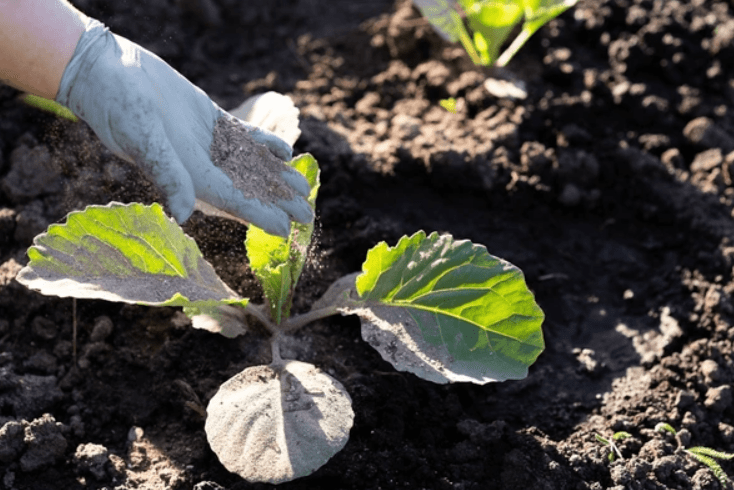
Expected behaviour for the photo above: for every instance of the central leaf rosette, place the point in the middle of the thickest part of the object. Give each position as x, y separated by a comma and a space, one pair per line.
278, 262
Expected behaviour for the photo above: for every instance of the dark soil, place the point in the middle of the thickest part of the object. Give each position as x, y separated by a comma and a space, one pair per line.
610, 185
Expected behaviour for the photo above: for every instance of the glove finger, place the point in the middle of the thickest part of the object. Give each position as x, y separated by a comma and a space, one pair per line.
215, 188
161, 163
172, 178
277, 146
298, 209
297, 181
268, 217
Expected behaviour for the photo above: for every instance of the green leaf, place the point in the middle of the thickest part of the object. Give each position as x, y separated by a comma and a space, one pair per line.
707, 451
665, 427
448, 311
129, 253
49, 106
276, 261
443, 17
602, 439
539, 12
448, 104
618, 436
492, 23
713, 465
483, 48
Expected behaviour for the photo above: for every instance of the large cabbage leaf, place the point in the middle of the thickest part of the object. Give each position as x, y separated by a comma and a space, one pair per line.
129, 253
447, 310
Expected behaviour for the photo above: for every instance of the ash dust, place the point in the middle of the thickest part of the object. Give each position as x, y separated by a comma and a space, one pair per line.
91, 173
253, 169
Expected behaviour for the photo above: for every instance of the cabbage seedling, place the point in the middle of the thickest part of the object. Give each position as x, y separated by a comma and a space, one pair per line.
491, 23
443, 309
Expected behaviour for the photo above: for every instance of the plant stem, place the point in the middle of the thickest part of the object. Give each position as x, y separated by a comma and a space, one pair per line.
275, 350
468, 44
73, 329
294, 323
255, 311
513, 48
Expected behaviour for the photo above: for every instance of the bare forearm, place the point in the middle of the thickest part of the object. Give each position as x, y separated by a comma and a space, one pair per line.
37, 40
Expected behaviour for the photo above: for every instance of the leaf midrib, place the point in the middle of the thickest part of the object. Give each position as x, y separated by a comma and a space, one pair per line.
142, 239
436, 311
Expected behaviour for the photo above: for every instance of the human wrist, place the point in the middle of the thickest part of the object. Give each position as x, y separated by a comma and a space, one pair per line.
37, 39
78, 71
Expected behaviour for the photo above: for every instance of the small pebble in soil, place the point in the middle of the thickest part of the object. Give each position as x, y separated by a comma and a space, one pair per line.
76, 425
706, 133
570, 195
587, 362
208, 485
684, 399
620, 474
710, 371
718, 399
42, 362
45, 444
726, 432
92, 458
102, 328
684, 437
43, 328
9, 479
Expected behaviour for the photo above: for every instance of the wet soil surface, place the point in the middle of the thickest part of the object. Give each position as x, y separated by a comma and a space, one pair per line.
610, 184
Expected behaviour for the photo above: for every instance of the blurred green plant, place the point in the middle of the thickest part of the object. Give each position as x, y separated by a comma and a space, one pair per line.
491, 22
448, 104
49, 106
702, 454
614, 451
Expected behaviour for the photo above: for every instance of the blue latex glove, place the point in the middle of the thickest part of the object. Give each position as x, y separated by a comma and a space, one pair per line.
147, 113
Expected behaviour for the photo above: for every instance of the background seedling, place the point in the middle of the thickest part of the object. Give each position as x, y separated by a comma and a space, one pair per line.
702, 454
448, 104
443, 309
614, 451
491, 23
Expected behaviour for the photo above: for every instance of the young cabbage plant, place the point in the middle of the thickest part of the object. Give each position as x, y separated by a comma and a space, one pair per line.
443, 309
491, 23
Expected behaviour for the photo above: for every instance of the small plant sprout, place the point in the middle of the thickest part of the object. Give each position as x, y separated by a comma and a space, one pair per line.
702, 454
491, 23
443, 309
449, 104
614, 451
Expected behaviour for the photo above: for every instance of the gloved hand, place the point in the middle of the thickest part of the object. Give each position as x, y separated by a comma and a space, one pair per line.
147, 113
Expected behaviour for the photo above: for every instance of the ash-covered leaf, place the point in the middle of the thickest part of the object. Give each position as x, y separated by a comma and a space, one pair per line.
129, 253
448, 311
277, 423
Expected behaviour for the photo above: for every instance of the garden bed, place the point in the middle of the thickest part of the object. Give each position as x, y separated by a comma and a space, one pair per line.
610, 185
